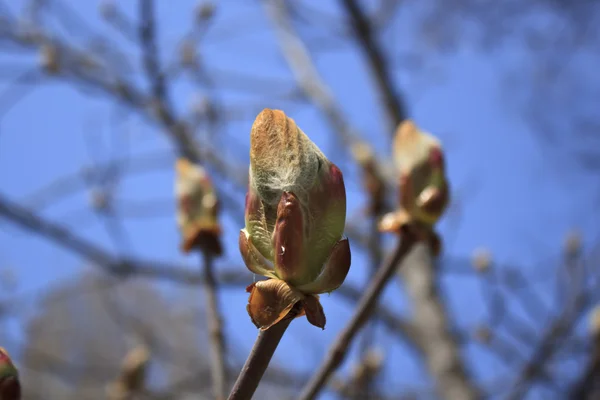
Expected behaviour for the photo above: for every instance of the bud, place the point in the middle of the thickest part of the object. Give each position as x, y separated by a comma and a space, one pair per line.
483, 334
100, 199
188, 53
10, 387
49, 58
132, 377
595, 321
295, 216
573, 244
373, 182
204, 11
108, 9
198, 209
481, 260
424, 188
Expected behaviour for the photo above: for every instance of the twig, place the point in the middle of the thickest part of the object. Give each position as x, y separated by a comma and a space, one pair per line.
215, 326
150, 50
364, 308
550, 343
259, 358
589, 382
363, 30
305, 73
101, 258
576, 301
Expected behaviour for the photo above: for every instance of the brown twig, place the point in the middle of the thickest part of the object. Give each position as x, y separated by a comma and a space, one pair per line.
260, 357
364, 309
215, 326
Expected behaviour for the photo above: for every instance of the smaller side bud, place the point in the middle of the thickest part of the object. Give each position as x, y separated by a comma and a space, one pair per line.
204, 11
132, 377
198, 208
483, 334
481, 260
573, 244
188, 54
594, 322
108, 9
50, 58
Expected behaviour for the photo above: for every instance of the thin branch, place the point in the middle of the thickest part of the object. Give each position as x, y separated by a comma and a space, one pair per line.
363, 30
364, 309
215, 326
150, 51
589, 382
548, 346
441, 346
100, 257
260, 357
305, 73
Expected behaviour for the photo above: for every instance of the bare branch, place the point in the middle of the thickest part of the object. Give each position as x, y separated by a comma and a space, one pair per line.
442, 352
215, 326
364, 308
366, 36
260, 357
102, 258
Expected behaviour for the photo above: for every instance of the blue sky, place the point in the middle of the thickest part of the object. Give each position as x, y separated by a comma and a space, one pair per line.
511, 200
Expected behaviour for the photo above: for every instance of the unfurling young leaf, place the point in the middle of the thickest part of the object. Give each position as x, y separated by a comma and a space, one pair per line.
295, 217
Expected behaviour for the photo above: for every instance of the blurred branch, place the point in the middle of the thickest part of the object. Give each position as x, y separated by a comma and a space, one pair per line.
305, 73
588, 386
150, 50
549, 344
63, 237
441, 348
365, 306
215, 326
366, 36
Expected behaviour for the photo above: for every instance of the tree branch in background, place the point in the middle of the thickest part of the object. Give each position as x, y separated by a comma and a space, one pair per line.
364, 308
363, 31
100, 257
150, 50
441, 349
215, 328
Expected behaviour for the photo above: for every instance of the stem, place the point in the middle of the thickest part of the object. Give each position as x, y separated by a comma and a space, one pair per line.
259, 358
215, 326
364, 307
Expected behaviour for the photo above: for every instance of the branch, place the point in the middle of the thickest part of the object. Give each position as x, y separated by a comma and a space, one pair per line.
550, 343
441, 348
364, 307
150, 50
304, 71
260, 357
363, 30
589, 382
215, 326
100, 257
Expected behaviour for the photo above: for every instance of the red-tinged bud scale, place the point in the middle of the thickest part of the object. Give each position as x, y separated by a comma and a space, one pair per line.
295, 217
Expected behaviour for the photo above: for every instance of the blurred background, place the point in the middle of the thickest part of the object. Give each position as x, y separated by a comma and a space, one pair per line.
98, 99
